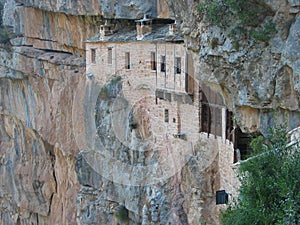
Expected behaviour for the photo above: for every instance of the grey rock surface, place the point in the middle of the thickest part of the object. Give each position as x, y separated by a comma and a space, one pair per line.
129, 9
250, 74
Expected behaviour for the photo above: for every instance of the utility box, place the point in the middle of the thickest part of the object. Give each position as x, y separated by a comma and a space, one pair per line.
221, 197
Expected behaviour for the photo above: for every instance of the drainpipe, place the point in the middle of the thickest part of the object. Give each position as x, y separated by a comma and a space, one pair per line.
165, 63
175, 72
224, 124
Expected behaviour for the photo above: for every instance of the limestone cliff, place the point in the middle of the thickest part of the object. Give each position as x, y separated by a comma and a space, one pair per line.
37, 146
44, 173
255, 77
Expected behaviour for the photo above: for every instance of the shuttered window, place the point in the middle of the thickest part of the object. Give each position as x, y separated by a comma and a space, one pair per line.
93, 55
109, 55
166, 115
163, 63
178, 65
127, 60
153, 61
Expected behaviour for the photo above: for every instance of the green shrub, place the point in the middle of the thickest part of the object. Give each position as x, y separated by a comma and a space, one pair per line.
270, 183
214, 43
103, 92
1, 12
116, 80
236, 45
265, 33
4, 35
213, 10
122, 214
4, 32
245, 14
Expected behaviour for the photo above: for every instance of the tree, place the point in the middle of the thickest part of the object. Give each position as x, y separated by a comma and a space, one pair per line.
270, 183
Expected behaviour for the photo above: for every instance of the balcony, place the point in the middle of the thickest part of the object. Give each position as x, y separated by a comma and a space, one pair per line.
173, 96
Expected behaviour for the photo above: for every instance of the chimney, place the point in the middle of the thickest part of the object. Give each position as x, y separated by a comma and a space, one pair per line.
143, 27
172, 28
105, 30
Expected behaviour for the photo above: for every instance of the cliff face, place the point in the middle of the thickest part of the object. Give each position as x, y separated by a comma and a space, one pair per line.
38, 81
126, 9
37, 145
44, 173
255, 77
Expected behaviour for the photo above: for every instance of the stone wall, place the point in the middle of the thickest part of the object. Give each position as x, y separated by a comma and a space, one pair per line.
140, 71
140, 76
175, 177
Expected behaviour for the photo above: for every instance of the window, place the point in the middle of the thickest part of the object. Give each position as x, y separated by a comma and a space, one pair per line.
189, 84
178, 65
163, 63
166, 115
206, 116
153, 61
229, 125
127, 60
93, 55
109, 55
211, 113
242, 142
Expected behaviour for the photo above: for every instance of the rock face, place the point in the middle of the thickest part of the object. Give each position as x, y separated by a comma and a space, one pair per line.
37, 148
45, 174
50, 30
185, 197
25, 186
250, 74
127, 9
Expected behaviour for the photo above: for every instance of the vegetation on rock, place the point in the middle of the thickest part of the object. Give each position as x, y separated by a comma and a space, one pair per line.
4, 32
108, 90
270, 183
248, 17
4, 35
103, 94
122, 214
1, 12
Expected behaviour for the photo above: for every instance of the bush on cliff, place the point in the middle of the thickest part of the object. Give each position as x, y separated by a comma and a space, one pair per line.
247, 16
4, 32
270, 184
